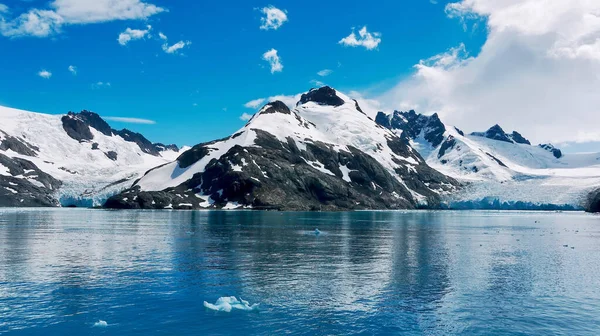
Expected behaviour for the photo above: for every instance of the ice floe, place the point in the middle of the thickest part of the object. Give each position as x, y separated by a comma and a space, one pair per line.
227, 304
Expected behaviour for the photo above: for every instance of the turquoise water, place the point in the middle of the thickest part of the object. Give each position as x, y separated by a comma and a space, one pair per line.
413, 273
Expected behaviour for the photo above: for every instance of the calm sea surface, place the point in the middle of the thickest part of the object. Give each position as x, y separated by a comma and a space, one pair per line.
366, 273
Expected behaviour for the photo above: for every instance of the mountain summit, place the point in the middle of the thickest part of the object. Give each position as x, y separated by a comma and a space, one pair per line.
323, 154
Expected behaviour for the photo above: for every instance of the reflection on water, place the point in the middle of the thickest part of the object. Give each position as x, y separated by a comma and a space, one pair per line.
410, 273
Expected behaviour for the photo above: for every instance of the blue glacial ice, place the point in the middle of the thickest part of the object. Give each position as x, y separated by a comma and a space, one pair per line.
227, 304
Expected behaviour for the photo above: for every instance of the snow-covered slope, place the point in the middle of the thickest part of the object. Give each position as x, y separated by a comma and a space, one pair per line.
499, 166
89, 170
320, 153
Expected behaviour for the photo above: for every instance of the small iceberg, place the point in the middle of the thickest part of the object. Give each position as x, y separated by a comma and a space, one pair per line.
227, 304
317, 232
100, 324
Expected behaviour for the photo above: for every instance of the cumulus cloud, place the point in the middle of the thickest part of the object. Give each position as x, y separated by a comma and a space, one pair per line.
45, 74
133, 34
131, 120
100, 85
274, 60
325, 72
289, 100
246, 116
273, 19
73, 69
162, 36
364, 39
173, 49
254, 104
49, 21
536, 73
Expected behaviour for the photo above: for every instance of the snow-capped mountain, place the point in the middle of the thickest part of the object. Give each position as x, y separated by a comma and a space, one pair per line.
323, 154
73, 159
502, 169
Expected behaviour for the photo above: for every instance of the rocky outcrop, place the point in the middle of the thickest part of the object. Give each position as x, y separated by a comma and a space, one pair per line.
17, 145
518, 138
414, 125
555, 151
25, 185
322, 96
77, 126
592, 203
495, 133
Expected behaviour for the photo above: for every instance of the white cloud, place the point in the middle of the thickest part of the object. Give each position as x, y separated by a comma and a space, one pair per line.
273, 19
274, 60
133, 34
325, 72
364, 39
99, 85
317, 83
45, 74
73, 69
289, 100
246, 116
49, 21
162, 36
254, 104
131, 120
537, 72
175, 47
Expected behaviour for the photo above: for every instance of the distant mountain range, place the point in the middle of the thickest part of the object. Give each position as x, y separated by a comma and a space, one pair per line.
323, 154
496, 168
75, 159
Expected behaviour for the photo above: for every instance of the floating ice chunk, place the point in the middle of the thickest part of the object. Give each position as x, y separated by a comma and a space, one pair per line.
227, 304
100, 324
317, 232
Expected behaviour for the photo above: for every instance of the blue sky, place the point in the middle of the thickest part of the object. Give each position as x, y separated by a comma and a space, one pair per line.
198, 93
191, 66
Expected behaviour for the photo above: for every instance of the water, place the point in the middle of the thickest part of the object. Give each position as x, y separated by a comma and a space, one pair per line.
65, 271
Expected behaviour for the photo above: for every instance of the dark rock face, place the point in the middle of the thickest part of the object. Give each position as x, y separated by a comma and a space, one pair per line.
276, 107
518, 138
447, 145
94, 120
17, 145
495, 133
414, 125
95, 146
18, 190
593, 202
146, 146
111, 155
76, 128
278, 175
459, 131
555, 151
322, 96
383, 120
162, 147
496, 160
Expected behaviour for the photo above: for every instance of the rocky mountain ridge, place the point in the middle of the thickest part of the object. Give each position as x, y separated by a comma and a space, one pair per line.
325, 154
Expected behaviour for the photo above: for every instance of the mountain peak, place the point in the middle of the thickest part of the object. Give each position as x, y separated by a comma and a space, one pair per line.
322, 96
275, 107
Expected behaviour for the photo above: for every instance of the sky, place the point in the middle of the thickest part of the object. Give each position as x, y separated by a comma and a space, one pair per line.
186, 72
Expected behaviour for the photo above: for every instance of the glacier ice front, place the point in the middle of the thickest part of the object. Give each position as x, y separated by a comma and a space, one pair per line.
229, 303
